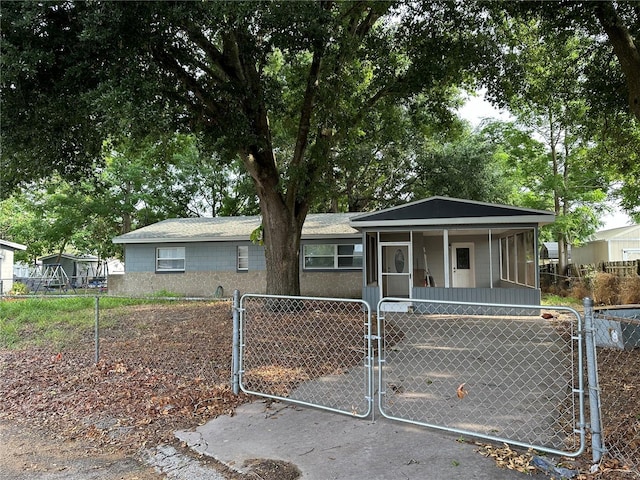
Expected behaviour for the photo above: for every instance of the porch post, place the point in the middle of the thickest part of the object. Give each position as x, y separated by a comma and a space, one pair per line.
445, 240
536, 256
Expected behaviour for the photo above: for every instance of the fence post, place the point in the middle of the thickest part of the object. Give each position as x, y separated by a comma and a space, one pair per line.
597, 446
235, 356
97, 329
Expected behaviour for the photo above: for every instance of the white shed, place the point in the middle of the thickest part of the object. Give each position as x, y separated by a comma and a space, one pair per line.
615, 245
6, 264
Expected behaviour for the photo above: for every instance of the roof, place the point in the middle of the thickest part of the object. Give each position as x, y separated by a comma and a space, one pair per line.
451, 211
549, 250
12, 245
616, 232
227, 229
71, 256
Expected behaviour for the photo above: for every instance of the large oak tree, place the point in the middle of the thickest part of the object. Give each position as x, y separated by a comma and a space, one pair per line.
277, 84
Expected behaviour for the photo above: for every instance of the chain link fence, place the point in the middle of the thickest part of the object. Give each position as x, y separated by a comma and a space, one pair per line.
504, 373
616, 332
307, 350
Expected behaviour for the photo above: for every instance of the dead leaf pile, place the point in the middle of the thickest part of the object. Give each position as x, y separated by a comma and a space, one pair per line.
505, 457
161, 368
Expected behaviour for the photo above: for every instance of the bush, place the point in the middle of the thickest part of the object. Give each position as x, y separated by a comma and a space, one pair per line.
606, 289
581, 289
630, 290
19, 288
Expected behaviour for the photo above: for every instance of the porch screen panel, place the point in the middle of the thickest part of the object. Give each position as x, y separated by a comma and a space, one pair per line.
530, 258
511, 252
522, 260
504, 259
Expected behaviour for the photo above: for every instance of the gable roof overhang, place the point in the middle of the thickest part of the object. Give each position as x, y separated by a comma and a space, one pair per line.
12, 245
447, 212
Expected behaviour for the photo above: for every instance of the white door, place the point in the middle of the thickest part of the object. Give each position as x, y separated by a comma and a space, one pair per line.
395, 269
463, 265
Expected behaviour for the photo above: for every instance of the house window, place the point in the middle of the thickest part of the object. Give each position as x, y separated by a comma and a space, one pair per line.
332, 257
243, 258
170, 259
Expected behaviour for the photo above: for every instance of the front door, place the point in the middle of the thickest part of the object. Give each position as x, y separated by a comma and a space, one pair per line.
395, 269
463, 265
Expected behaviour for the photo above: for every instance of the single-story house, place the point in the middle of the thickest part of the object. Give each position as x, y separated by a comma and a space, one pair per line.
7, 249
613, 245
437, 248
6, 264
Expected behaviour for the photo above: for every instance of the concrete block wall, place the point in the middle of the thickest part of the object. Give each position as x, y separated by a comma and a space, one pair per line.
204, 284
193, 284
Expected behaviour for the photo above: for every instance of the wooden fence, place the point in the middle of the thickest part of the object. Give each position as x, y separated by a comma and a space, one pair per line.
620, 269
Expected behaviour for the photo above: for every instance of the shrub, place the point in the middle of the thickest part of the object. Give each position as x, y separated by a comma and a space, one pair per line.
581, 289
19, 288
630, 290
606, 289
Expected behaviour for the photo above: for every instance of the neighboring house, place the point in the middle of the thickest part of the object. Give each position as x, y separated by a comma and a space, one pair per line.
6, 264
438, 248
614, 245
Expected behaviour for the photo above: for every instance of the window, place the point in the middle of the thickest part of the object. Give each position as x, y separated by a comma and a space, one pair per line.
243, 258
327, 256
170, 259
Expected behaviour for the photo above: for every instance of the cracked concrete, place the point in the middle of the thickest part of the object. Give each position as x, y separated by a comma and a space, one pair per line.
175, 465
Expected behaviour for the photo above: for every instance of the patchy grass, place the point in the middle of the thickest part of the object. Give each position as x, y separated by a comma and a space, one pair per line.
560, 301
54, 321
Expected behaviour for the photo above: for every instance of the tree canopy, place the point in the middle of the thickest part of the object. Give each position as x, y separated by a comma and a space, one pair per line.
303, 95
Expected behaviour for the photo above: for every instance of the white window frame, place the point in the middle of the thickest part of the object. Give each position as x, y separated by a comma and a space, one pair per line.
513, 251
335, 256
180, 255
242, 258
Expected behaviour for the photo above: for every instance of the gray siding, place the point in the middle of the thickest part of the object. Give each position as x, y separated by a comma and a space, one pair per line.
511, 296
199, 257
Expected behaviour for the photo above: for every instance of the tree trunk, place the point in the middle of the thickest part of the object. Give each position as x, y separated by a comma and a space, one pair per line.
282, 246
282, 225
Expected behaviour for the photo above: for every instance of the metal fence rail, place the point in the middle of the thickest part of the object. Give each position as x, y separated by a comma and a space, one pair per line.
499, 372
312, 351
616, 335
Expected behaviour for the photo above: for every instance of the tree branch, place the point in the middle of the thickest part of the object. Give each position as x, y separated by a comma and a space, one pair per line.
625, 49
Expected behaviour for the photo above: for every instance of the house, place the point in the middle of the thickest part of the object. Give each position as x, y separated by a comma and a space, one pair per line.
614, 245
202, 256
7, 250
437, 248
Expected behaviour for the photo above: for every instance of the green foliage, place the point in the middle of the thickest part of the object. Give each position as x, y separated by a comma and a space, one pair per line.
19, 288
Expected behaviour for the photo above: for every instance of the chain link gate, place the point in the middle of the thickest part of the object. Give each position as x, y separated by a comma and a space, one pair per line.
310, 351
505, 373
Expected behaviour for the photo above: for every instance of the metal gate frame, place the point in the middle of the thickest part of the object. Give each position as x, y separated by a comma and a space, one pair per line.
307, 398
368, 363
390, 304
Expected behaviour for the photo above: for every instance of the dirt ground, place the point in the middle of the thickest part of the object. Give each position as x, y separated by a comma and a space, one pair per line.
161, 368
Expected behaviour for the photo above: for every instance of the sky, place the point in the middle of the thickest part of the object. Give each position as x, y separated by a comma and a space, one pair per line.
476, 109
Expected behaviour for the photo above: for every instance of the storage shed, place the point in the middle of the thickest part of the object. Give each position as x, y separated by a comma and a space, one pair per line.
614, 245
